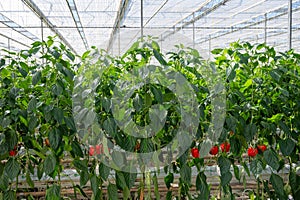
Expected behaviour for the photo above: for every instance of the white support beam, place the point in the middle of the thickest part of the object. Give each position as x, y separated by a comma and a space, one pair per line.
30, 4
77, 21
121, 13
290, 19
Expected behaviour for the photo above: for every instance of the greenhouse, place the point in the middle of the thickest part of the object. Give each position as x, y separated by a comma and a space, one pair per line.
150, 99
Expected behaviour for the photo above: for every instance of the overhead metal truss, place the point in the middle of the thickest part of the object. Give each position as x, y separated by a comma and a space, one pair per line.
115, 24
43, 18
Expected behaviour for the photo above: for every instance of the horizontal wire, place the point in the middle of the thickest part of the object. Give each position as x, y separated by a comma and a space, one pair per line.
161, 27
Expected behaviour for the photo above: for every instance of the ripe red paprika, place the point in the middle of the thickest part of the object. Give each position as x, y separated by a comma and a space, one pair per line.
214, 150
252, 152
195, 152
262, 147
225, 147
12, 153
91, 151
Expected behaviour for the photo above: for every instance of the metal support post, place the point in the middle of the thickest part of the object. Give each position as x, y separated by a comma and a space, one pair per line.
161, 38
193, 30
265, 28
142, 18
42, 29
209, 47
290, 24
8, 44
119, 35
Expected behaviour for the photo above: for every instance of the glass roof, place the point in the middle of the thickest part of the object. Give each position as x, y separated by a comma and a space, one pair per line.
115, 24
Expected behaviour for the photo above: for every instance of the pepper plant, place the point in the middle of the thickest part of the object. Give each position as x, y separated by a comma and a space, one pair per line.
262, 113
43, 120
36, 115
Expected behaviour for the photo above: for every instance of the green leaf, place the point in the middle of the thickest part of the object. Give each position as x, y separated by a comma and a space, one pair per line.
137, 103
23, 69
155, 183
53, 192
110, 127
85, 54
80, 164
36, 77
248, 83
29, 180
287, 146
146, 145
55, 54
202, 186
294, 182
55, 138
120, 180
256, 167
155, 46
157, 94
130, 178
57, 89
118, 158
216, 51
94, 183
84, 177
4, 181
278, 186
159, 57
9, 195
230, 73
12, 168
169, 195
169, 179
6, 122
133, 47
68, 73
2, 62
70, 123
126, 193
112, 191
77, 187
224, 164
23, 72
36, 44
11, 139
250, 131
276, 118
24, 65
34, 50
284, 127
32, 104
271, 158
49, 164
49, 42
32, 123
58, 115
236, 171
186, 174
226, 178
40, 170
104, 171
76, 149
70, 55
275, 75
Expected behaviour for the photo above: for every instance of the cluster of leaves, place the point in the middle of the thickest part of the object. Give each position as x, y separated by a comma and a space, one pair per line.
37, 126
36, 119
262, 109
112, 69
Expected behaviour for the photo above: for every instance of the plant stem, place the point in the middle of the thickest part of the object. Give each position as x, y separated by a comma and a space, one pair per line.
258, 187
142, 187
